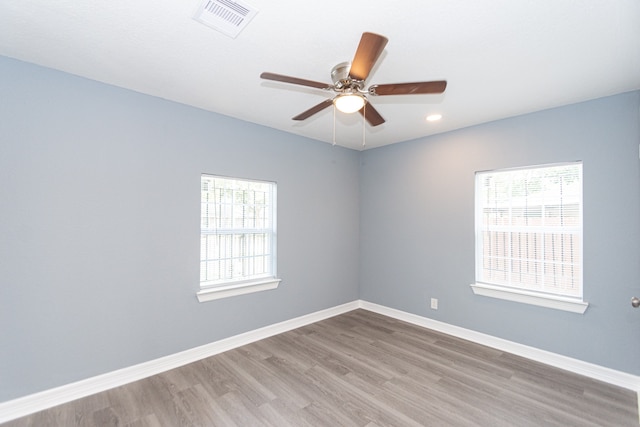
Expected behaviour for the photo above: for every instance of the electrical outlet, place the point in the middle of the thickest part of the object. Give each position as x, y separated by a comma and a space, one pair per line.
434, 303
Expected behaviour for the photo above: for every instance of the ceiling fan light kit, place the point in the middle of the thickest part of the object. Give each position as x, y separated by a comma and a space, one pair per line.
349, 102
349, 80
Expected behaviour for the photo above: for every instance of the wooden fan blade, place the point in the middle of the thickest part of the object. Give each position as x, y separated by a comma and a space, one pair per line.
313, 110
294, 80
418, 88
371, 115
369, 50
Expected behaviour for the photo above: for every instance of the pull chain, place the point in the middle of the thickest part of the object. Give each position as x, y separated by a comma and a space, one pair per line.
364, 119
334, 124
364, 127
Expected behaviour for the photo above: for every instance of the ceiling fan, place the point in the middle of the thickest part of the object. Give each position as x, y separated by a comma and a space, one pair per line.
349, 80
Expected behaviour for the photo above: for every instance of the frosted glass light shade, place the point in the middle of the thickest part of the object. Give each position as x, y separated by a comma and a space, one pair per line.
349, 103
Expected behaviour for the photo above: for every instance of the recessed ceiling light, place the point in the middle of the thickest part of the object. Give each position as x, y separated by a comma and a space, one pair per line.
434, 117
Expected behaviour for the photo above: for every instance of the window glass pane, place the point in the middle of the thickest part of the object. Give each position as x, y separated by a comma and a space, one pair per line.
529, 228
237, 230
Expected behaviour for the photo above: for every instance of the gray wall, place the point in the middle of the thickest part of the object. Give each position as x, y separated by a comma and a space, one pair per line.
417, 227
99, 226
100, 213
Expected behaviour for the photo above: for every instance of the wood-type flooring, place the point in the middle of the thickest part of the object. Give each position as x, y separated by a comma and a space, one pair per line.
355, 369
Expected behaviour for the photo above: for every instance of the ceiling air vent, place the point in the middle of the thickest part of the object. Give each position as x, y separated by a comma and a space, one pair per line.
228, 17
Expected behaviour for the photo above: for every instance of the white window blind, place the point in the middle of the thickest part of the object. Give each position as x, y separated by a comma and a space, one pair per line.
529, 229
237, 241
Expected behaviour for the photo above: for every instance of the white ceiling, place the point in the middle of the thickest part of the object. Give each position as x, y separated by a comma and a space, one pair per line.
500, 57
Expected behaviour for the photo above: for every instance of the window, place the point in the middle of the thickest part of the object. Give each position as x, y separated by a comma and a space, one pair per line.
529, 235
237, 237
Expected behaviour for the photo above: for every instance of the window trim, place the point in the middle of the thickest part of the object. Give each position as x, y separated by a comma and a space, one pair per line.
226, 291
532, 297
210, 292
574, 305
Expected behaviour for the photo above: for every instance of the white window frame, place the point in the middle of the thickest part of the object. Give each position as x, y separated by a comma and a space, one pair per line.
511, 290
241, 279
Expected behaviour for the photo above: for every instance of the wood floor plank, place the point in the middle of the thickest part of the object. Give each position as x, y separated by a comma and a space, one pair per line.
246, 383
147, 421
358, 369
296, 416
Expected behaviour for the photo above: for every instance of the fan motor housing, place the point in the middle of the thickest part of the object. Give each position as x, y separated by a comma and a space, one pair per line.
341, 79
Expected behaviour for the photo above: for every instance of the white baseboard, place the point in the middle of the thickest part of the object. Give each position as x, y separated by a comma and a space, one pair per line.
46, 399
611, 376
32, 403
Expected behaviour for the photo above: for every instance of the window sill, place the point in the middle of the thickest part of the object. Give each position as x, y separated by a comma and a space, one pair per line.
549, 301
218, 292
